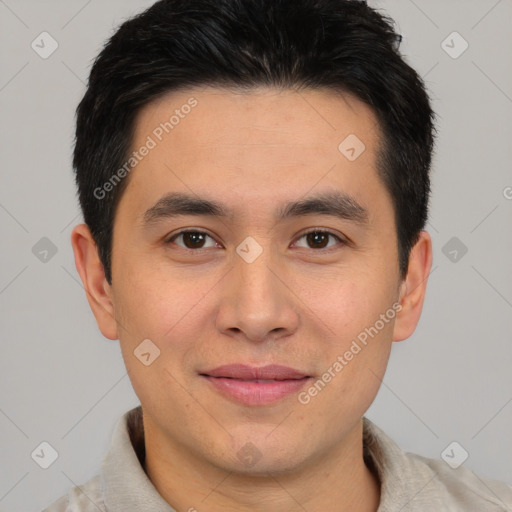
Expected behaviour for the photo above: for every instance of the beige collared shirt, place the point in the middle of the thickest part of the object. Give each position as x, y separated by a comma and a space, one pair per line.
409, 482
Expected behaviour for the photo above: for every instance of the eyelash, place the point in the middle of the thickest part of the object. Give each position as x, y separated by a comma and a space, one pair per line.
312, 230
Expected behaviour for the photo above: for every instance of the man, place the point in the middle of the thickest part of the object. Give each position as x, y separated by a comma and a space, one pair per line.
254, 179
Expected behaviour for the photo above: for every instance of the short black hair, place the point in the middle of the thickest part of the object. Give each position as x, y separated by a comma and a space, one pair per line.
341, 45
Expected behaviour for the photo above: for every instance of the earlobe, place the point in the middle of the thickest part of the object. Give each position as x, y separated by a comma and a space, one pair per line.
92, 274
413, 288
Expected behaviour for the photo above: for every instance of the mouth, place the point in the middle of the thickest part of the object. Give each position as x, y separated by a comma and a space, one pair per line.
251, 385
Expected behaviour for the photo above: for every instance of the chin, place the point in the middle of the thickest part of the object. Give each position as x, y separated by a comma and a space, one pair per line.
260, 453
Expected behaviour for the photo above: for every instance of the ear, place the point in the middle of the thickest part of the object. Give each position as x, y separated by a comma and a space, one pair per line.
92, 273
413, 288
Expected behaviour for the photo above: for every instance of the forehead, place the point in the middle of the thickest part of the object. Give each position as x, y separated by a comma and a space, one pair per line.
271, 116
257, 144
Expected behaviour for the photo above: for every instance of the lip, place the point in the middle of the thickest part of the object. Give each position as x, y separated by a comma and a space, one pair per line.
242, 383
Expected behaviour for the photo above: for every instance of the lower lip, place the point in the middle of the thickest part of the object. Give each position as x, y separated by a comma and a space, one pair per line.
257, 393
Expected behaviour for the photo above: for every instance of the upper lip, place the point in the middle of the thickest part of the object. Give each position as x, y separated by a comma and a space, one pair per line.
245, 372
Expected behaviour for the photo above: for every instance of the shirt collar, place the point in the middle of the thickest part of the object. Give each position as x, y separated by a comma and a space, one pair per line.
126, 487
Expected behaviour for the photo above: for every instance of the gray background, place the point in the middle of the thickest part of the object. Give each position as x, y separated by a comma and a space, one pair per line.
63, 383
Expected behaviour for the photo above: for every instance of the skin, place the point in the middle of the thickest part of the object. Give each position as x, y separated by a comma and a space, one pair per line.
298, 304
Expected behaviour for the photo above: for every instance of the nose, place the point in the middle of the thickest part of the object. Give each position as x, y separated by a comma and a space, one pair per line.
258, 302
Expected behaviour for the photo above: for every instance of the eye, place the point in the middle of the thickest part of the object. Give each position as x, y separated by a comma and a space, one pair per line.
319, 239
194, 239
191, 239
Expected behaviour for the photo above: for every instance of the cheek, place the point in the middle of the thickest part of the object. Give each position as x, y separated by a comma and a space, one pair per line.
352, 374
346, 305
155, 303
360, 319
160, 321
174, 313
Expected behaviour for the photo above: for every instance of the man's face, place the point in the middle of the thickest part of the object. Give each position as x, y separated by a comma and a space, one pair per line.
253, 288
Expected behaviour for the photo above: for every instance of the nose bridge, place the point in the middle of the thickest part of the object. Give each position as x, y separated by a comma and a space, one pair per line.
257, 302
257, 282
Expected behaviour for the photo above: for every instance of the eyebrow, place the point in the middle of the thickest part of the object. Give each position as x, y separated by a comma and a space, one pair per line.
336, 204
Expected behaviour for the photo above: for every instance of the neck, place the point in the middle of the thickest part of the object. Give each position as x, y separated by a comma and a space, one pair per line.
338, 480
